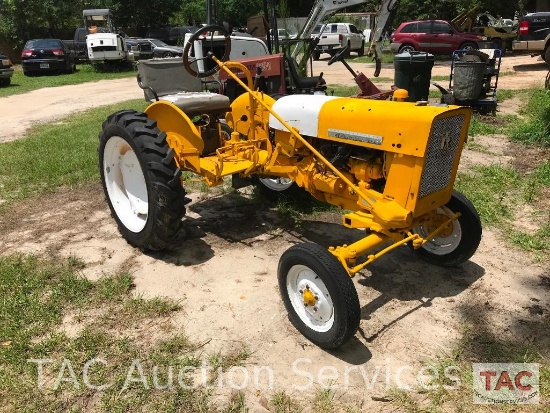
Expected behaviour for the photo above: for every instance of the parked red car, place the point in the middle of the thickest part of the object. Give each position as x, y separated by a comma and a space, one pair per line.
433, 36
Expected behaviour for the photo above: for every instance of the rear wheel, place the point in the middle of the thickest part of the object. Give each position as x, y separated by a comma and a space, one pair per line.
5, 82
167, 54
406, 48
141, 180
316, 55
456, 243
319, 295
546, 55
361, 51
469, 46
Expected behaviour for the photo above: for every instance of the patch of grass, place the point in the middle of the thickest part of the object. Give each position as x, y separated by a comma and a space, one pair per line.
151, 307
537, 242
504, 94
478, 345
84, 73
234, 358
542, 173
135, 374
489, 188
387, 57
490, 125
282, 403
53, 155
536, 129
324, 401
236, 403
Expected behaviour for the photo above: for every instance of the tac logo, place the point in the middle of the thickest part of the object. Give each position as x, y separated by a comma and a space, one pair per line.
506, 383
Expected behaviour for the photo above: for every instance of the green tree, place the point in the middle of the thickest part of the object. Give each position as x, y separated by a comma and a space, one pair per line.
139, 14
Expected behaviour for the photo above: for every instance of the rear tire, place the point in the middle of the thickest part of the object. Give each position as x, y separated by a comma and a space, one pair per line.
316, 55
462, 239
546, 55
140, 180
469, 46
319, 295
407, 48
361, 51
5, 82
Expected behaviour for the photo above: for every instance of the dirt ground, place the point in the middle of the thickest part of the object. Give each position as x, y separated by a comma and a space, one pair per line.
224, 272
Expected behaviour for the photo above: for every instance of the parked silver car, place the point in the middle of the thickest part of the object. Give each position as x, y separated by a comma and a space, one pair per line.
161, 49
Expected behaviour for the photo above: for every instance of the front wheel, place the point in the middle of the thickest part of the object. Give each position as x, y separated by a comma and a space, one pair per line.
141, 181
456, 243
319, 295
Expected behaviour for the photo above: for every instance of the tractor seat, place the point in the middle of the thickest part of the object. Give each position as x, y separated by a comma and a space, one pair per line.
198, 102
302, 82
166, 79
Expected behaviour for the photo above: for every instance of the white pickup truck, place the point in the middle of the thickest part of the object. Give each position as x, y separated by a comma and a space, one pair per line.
335, 36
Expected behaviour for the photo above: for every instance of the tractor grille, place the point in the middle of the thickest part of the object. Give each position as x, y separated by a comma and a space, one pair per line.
440, 154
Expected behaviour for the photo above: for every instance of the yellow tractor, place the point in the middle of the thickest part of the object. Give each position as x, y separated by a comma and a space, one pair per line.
391, 165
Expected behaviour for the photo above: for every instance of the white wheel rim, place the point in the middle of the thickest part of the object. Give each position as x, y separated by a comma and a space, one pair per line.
125, 184
277, 184
319, 317
441, 245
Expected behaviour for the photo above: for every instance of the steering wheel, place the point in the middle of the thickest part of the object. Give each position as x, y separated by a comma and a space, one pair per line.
206, 33
338, 56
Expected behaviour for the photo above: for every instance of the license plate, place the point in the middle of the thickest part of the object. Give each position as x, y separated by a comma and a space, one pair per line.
325, 47
44, 65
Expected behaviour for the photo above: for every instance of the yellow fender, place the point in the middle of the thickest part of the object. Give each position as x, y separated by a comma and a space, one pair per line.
181, 134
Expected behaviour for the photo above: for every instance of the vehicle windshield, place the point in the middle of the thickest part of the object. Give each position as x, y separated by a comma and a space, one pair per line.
43, 44
158, 43
317, 29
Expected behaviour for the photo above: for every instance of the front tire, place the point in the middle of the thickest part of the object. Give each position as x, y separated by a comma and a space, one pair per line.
319, 295
459, 241
141, 181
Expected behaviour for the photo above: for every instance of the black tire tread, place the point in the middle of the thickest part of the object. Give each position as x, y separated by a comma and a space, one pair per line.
166, 194
339, 284
471, 234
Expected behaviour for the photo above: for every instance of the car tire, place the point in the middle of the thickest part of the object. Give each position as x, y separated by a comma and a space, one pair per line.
5, 82
546, 55
361, 51
469, 46
167, 54
406, 48
316, 55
